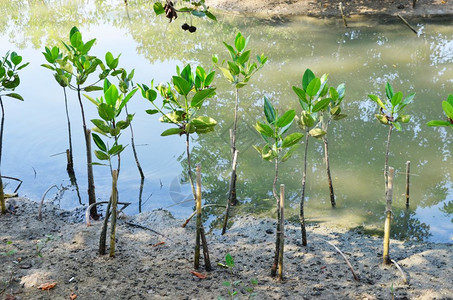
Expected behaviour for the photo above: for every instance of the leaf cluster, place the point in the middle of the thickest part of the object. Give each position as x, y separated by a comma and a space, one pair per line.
316, 97
239, 69
274, 131
391, 111
10, 64
447, 107
181, 100
195, 8
109, 108
232, 285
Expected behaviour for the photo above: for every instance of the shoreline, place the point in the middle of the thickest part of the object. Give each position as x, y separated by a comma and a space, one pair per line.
146, 268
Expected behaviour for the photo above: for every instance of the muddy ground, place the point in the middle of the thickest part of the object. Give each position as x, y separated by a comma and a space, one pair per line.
63, 250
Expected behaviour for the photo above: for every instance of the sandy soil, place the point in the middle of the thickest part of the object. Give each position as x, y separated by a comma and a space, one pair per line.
58, 250
329, 8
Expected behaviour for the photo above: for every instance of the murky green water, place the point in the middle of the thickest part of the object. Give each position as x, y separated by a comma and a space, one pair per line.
364, 56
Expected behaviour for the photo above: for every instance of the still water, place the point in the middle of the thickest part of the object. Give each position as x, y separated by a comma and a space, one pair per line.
364, 56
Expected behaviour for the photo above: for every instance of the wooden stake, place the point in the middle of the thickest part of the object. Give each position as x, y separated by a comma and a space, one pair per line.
231, 191
114, 212
342, 14
281, 232
408, 171
388, 217
407, 24
196, 263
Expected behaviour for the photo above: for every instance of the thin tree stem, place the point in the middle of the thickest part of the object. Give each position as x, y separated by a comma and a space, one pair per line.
232, 197
70, 166
277, 235
302, 199
139, 167
329, 176
386, 166
2, 193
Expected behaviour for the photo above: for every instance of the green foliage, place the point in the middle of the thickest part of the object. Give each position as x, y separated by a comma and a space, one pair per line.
391, 111
447, 107
234, 285
274, 134
239, 69
110, 106
9, 252
10, 64
181, 101
195, 8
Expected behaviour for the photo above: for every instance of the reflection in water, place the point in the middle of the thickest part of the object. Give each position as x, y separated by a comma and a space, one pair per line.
364, 57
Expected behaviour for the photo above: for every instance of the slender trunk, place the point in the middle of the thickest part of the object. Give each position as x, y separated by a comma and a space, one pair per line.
140, 194
386, 165
139, 167
408, 173
73, 180
329, 177
228, 206
196, 263
91, 191
232, 197
103, 237
114, 212
277, 234
388, 218
282, 231
70, 165
302, 199
2, 193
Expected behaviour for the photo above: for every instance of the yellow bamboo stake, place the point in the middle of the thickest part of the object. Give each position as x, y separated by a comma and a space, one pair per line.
281, 232
388, 217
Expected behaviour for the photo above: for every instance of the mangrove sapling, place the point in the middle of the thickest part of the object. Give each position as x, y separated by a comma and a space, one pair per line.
279, 147
391, 113
79, 64
10, 64
331, 112
447, 107
109, 108
238, 72
232, 285
63, 76
313, 100
181, 101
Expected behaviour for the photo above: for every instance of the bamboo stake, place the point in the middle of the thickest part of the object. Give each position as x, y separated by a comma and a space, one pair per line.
407, 24
198, 210
408, 169
231, 191
281, 232
388, 217
342, 14
114, 212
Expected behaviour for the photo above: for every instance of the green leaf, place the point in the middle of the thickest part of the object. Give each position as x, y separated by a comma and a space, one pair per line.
448, 109
198, 13
408, 99
101, 155
264, 129
16, 59
339, 117
396, 99
229, 260
317, 133
101, 125
201, 96
98, 141
321, 105
389, 91
172, 131
111, 95
227, 74
269, 111
210, 16
404, 118
382, 118
286, 119
15, 96
158, 8
106, 112
233, 68
334, 94
313, 87
92, 88
109, 58
76, 40
397, 125
292, 139
87, 46
438, 123
115, 150
203, 122
307, 78
289, 153
209, 79
307, 119
341, 91
152, 111
244, 57
239, 42
377, 100
183, 87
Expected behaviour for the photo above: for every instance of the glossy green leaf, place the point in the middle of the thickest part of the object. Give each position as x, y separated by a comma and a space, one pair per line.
239, 42
210, 16
321, 105
101, 125
201, 96
313, 87
227, 74
448, 109
92, 88
158, 8
292, 139
317, 133
229, 260
286, 118
269, 111
244, 57
99, 143
290, 152
439, 123
152, 111
203, 122
15, 96
396, 99
101, 155
106, 112
307, 78
264, 129
115, 150
209, 79
183, 87
172, 131
382, 118
377, 100
397, 125
389, 91
341, 91
111, 95
233, 68
307, 119
408, 99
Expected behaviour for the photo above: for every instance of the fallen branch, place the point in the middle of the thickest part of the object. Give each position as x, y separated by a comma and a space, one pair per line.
42, 201
147, 228
87, 211
407, 24
194, 213
401, 271
356, 278
16, 179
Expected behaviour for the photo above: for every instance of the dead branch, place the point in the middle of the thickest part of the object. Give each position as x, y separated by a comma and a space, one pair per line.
147, 228
401, 271
356, 278
42, 201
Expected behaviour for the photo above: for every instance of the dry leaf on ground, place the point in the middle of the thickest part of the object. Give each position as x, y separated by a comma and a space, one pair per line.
72, 296
47, 286
199, 275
